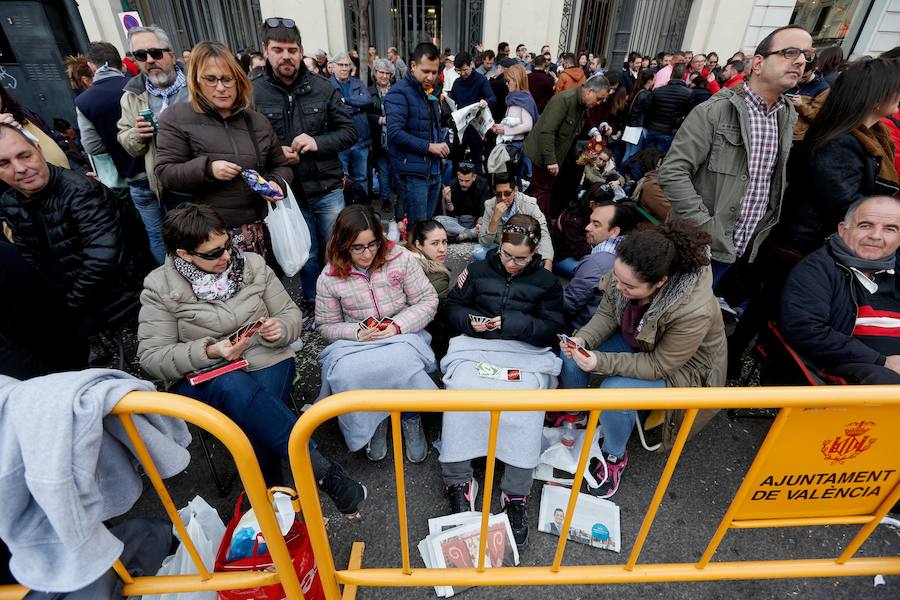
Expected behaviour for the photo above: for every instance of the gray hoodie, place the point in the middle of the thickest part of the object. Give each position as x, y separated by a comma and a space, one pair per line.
65, 468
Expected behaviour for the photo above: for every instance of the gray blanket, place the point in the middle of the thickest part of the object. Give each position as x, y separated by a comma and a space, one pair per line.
401, 362
465, 434
65, 467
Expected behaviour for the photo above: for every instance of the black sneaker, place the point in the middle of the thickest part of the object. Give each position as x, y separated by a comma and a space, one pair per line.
514, 507
461, 496
346, 493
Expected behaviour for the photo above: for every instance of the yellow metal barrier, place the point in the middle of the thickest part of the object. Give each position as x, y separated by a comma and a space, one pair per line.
885, 400
238, 445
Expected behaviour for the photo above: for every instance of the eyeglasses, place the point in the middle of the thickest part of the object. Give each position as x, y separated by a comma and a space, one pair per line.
519, 260
213, 254
506, 194
792, 53
342, 65
357, 249
379, 72
279, 22
213, 81
155, 53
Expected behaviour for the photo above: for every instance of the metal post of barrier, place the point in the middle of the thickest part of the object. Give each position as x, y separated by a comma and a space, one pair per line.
661, 487
396, 437
867, 529
593, 420
488, 487
746, 485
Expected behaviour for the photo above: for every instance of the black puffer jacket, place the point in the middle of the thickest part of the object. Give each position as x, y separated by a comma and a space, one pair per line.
530, 304
77, 234
313, 106
669, 105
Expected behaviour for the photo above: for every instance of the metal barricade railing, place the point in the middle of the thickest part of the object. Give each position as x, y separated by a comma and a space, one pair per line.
232, 438
691, 400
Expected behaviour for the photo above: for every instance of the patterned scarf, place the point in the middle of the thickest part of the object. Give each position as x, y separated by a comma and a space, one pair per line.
877, 142
166, 93
214, 286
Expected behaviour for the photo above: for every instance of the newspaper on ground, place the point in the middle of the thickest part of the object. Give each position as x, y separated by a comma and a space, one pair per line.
474, 116
453, 541
558, 462
595, 523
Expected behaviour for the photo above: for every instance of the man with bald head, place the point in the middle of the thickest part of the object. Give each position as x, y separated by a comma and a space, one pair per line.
841, 305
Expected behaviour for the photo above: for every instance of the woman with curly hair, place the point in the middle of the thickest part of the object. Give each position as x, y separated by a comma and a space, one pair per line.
658, 325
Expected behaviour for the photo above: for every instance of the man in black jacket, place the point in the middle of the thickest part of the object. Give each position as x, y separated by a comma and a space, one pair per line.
464, 204
668, 107
74, 232
313, 126
841, 304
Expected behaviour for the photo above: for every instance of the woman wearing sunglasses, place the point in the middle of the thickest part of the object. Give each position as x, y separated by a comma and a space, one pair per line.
192, 306
203, 145
508, 310
373, 302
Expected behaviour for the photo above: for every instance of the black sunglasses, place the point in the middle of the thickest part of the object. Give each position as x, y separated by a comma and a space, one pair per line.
279, 22
155, 53
213, 254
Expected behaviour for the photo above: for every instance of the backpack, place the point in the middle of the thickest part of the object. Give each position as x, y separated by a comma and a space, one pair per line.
504, 158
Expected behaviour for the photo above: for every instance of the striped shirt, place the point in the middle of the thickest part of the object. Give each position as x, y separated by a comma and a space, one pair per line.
763, 157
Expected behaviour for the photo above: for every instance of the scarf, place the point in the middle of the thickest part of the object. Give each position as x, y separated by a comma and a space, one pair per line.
671, 292
214, 286
876, 140
166, 93
525, 101
846, 257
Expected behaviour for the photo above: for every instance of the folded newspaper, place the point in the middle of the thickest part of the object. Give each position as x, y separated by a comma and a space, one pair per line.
475, 116
453, 541
595, 523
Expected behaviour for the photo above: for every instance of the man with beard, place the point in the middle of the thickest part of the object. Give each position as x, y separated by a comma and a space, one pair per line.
161, 83
313, 126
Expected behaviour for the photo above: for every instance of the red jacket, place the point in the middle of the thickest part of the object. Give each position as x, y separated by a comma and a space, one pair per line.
712, 86
893, 124
739, 78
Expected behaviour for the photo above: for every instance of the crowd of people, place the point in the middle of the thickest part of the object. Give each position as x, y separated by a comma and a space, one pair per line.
635, 209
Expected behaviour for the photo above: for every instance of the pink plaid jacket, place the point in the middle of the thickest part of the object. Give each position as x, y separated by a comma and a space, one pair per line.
399, 290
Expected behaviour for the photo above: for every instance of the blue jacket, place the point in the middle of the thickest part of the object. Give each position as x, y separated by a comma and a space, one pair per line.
469, 91
413, 122
582, 296
358, 101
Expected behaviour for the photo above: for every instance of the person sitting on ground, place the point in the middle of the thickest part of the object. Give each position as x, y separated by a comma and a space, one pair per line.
609, 221
428, 243
73, 231
191, 305
840, 304
602, 169
509, 201
658, 325
569, 242
464, 204
373, 302
522, 304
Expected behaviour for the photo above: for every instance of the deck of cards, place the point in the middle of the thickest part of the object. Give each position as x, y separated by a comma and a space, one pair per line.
247, 331
379, 324
488, 322
573, 345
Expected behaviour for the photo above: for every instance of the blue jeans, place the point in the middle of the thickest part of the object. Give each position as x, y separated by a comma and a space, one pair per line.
320, 215
148, 206
420, 196
632, 149
566, 267
480, 252
660, 141
454, 227
356, 160
718, 270
383, 166
617, 424
258, 402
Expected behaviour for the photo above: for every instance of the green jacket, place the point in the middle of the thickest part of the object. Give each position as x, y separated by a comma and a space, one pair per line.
705, 173
552, 136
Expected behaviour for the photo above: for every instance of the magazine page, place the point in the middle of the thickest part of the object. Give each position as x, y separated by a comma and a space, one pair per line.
595, 523
425, 550
463, 116
439, 524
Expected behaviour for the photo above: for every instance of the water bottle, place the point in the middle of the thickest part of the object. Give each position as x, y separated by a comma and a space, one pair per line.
568, 432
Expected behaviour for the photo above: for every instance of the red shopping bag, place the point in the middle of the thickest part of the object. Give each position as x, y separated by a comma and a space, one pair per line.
301, 552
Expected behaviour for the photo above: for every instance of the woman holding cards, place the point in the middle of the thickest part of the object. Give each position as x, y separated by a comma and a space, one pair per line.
373, 302
508, 309
204, 145
211, 304
658, 325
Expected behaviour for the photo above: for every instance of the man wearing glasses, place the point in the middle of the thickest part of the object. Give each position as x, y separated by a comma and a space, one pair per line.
726, 168
161, 83
509, 201
313, 126
357, 100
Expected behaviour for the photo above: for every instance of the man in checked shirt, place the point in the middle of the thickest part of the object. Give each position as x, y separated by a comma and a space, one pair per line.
726, 168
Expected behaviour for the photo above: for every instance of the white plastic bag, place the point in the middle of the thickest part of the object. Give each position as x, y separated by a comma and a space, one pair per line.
206, 530
290, 235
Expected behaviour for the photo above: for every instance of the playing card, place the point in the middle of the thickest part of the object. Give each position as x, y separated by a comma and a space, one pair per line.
384, 323
478, 318
369, 323
247, 330
583, 351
